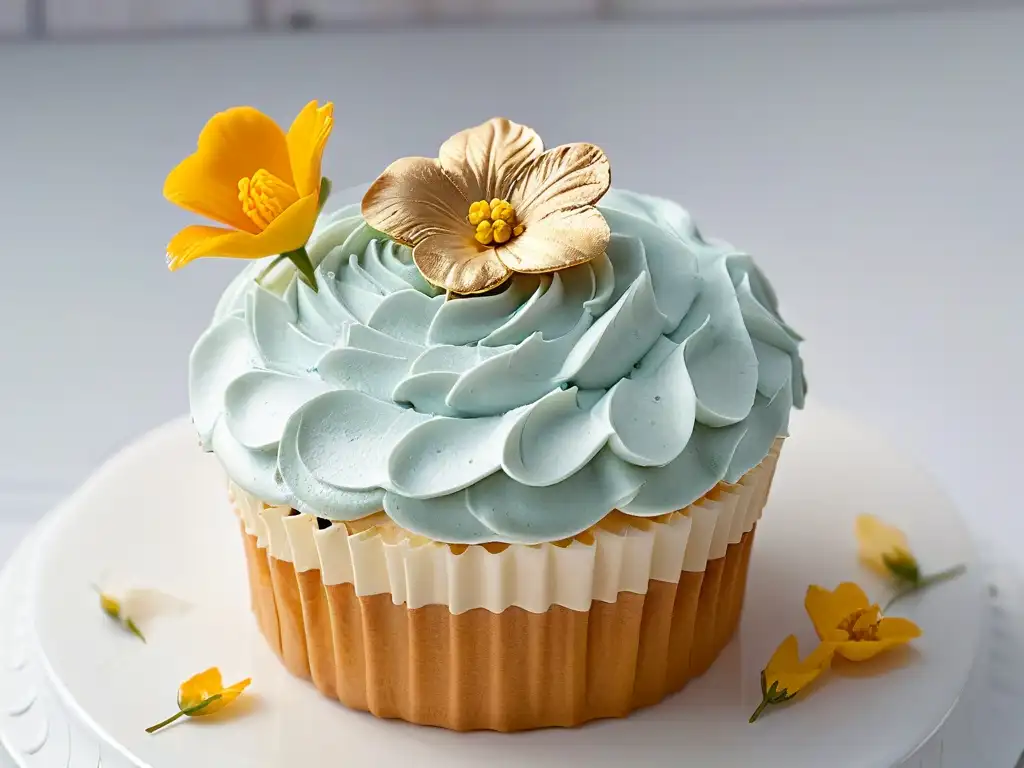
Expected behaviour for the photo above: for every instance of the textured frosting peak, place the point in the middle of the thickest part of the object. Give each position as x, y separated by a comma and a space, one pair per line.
636, 381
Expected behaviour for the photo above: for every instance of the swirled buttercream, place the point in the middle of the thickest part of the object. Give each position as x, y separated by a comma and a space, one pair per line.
636, 381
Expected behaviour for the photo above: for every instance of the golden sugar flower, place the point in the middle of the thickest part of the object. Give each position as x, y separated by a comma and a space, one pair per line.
492, 203
786, 675
111, 606
263, 184
202, 695
846, 620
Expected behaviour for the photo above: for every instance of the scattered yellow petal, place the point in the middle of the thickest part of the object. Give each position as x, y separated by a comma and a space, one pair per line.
202, 695
206, 684
786, 675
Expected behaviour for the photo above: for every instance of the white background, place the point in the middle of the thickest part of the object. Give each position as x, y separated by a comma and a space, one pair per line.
873, 163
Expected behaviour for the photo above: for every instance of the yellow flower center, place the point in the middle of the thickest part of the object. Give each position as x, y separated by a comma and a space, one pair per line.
264, 196
495, 221
862, 624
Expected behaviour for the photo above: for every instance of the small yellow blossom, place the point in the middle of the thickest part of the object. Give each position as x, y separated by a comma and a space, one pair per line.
113, 608
202, 695
847, 621
785, 675
884, 549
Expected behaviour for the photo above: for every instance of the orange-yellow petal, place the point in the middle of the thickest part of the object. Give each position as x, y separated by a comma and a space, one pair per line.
199, 688
559, 241
413, 200
561, 179
191, 186
234, 144
459, 264
199, 240
790, 673
827, 609
307, 138
287, 232
898, 629
227, 696
860, 650
485, 160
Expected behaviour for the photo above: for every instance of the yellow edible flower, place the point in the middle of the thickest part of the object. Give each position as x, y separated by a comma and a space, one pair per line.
848, 622
203, 695
785, 675
884, 549
263, 184
113, 608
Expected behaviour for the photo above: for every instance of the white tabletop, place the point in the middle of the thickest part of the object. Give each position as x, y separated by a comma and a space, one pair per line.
872, 162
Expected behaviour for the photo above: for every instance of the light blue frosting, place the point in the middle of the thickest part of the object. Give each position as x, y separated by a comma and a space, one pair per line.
637, 381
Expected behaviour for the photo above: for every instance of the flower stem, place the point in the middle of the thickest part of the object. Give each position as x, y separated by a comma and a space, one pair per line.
165, 723
270, 268
188, 712
134, 629
760, 709
926, 582
300, 259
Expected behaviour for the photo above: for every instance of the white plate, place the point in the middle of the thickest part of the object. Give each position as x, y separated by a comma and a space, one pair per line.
156, 517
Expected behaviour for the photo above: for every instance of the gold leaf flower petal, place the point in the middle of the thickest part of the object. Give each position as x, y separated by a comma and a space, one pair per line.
561, 240
459, 264
484, 161
413, 200
571, 176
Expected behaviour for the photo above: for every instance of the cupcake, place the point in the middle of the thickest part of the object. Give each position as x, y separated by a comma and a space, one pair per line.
498, 437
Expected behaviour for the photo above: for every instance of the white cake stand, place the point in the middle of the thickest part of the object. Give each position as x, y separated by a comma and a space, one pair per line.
76, 691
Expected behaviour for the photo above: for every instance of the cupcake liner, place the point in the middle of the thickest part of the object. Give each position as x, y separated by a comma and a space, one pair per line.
504, 637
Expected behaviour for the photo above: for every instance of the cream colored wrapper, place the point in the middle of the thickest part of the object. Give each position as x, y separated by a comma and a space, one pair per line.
504, 637
621, 554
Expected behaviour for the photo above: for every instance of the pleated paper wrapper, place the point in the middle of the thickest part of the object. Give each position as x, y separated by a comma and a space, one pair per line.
503, 637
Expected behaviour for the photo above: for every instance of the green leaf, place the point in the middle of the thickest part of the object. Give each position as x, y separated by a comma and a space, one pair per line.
300, 259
